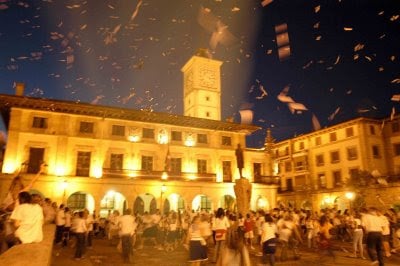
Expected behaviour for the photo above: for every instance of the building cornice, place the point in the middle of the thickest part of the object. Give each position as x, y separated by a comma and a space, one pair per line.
59, 106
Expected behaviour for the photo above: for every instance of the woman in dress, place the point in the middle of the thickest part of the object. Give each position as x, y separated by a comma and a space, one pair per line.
197, 244
220, 226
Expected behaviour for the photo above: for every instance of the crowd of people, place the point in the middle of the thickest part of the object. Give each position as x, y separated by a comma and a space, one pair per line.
222, 237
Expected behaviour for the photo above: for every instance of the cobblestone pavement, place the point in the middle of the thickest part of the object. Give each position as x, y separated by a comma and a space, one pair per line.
105, 254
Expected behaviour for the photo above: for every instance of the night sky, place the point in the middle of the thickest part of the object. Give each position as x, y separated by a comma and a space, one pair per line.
343, 62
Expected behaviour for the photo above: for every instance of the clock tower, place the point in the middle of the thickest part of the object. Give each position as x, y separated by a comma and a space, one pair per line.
202, 87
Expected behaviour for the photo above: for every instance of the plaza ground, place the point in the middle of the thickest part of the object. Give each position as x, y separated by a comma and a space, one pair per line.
104, 253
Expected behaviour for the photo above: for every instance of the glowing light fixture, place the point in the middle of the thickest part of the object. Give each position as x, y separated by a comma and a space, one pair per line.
60, 170
9, 167
162, 136
349, 195
189, 140
97, 172
64, 185
164, 176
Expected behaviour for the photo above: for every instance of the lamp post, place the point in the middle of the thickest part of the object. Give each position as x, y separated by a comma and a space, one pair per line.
163, 189
64, 186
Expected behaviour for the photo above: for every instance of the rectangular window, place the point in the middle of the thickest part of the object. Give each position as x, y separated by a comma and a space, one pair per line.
286, 150
301, 146
317, 141
202, 138
148, 133
226, 171
335, 157
375, 151
176, 135
395, 127
349, 132
289, 184
372, 129
86, 127
257, 169
288, 166
396, 149
319, 160
39, 122
118, 130
226, 141
332, 136
337, 178
147, 163
83, 163
176, 165
353, 172
116, 161
300, 166
322, 180
36, 156
201, 166
352, 153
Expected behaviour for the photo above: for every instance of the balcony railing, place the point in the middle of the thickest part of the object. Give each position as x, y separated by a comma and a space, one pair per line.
267, 180
157, 175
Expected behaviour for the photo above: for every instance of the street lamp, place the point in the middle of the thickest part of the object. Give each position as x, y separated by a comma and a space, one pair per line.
64, 186
163, 190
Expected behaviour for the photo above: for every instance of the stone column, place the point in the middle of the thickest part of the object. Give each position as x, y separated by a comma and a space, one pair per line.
243, 195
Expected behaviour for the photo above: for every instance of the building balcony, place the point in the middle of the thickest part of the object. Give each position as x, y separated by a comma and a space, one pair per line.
158, 175
301, 168
267, 180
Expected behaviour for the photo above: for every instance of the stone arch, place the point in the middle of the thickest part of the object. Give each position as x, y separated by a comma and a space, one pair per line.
80, 200
202, 203
36, 192
176, 202
112, 201
145, 202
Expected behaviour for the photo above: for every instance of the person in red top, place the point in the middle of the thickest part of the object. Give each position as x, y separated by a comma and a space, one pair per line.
248, 231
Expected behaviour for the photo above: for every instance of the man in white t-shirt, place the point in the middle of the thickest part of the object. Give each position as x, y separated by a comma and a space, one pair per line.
28, 219
127, 227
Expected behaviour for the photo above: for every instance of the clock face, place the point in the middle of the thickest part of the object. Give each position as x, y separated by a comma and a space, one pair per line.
207, 78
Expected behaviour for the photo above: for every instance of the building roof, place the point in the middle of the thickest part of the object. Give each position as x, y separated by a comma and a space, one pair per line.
60, 106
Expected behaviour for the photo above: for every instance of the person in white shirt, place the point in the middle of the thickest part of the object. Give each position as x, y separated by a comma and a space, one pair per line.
28, 219
67, 226
60, 223
127, 227
80, 233
358, 234
220, 226
89, 225
373, 225
269, 232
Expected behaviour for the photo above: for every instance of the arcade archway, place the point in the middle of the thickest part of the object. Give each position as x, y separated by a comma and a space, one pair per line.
145, 203
202, 203
112, 201
81, 200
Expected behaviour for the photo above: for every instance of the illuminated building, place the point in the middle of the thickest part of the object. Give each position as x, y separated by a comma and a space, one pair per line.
315, 168
108, 158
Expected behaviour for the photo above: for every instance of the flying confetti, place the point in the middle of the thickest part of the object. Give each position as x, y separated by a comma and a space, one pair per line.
282, 40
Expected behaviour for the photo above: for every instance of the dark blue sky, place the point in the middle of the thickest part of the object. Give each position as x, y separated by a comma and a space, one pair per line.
344, 56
